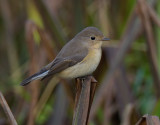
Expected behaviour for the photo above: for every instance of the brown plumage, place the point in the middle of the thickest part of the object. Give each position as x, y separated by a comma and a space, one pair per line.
79, 57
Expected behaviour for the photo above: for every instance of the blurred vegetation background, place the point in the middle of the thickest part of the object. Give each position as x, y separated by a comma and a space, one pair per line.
33, 31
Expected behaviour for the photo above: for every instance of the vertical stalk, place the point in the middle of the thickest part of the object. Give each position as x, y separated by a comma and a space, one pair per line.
158, 36
7, 110
83, 101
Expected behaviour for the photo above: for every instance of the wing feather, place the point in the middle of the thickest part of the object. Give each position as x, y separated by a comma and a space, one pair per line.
61, 64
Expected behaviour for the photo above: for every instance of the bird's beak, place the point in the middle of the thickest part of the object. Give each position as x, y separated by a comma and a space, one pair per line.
105, 39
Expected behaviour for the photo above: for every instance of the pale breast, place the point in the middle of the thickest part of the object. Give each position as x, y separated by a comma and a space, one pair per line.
86, 67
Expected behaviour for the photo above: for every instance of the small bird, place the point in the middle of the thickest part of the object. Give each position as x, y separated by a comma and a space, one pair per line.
78, 58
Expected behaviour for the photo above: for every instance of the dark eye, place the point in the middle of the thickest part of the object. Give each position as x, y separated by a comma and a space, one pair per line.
92, 38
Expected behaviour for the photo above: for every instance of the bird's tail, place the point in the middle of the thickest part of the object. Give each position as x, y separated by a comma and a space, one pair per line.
36, 76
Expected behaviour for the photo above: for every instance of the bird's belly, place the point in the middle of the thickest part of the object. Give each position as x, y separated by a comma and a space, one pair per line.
86, 67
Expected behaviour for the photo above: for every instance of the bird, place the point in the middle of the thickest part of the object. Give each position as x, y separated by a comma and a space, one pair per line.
78, 58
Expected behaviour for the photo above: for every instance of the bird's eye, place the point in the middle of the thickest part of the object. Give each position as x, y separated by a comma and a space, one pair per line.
92, 38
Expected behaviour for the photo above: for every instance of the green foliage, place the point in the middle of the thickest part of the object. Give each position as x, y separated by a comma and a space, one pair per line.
156, 110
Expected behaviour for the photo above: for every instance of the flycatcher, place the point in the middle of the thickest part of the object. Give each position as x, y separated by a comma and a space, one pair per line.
78, 58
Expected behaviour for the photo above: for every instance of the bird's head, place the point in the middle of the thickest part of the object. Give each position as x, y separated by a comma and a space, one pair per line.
91, 36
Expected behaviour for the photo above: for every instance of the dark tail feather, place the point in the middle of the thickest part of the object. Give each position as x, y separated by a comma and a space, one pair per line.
36, 76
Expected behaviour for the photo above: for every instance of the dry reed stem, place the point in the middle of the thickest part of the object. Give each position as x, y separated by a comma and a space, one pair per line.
34, 54
83, 100
152, 50
7, 110
153, 14
149, 120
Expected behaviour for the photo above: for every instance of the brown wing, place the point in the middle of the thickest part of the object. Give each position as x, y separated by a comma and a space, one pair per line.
61, 64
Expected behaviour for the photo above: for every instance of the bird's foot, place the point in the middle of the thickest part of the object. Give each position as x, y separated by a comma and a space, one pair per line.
83, 78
